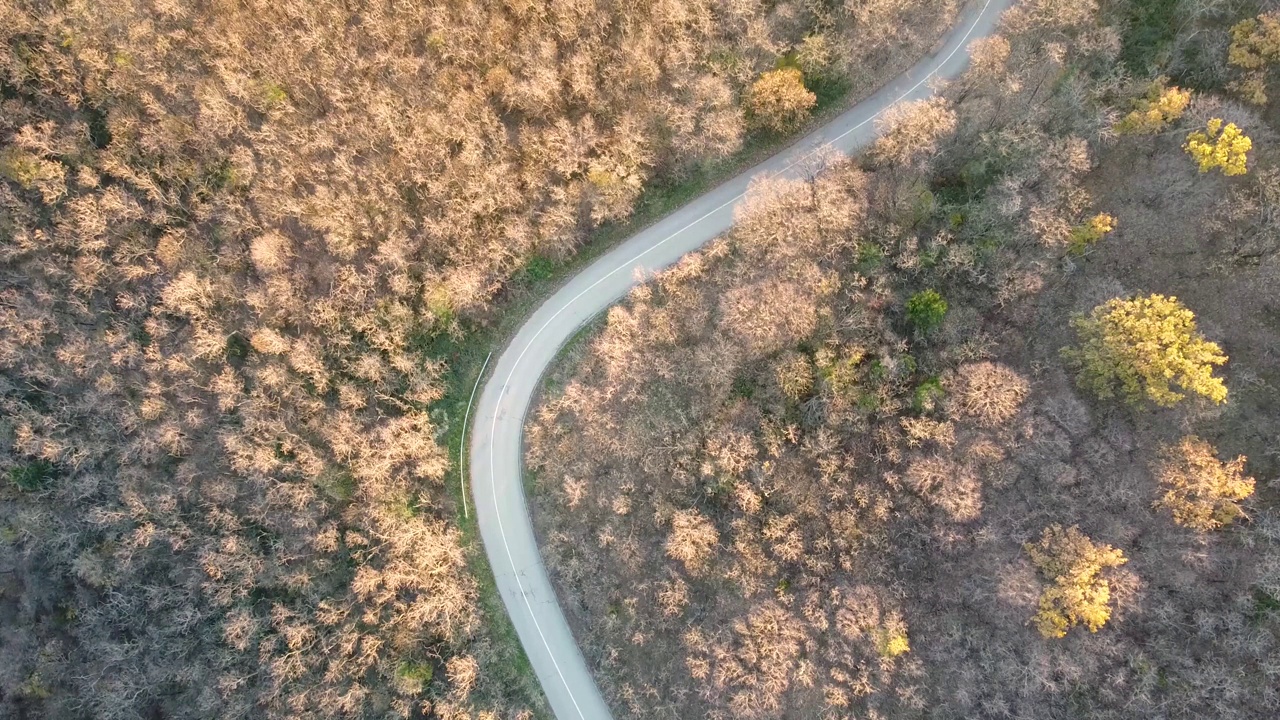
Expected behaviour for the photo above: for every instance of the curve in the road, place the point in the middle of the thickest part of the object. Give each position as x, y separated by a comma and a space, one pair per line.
497, 438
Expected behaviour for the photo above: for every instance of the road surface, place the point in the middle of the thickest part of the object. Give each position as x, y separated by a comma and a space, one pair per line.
497, 435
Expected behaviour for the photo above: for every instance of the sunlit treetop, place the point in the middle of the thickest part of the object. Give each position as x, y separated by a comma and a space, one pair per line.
1222, 147
1255, 46
1155, 111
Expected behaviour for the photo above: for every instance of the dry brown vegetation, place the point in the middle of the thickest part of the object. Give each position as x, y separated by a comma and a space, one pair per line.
228, 230
910, 525
988, 392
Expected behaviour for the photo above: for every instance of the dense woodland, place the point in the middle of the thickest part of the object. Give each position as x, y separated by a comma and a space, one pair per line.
981, 423
233, 237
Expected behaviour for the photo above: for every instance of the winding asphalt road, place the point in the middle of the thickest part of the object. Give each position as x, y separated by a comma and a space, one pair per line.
497, 435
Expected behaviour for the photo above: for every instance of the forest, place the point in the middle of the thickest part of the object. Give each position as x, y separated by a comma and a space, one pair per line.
242, 245
981, 422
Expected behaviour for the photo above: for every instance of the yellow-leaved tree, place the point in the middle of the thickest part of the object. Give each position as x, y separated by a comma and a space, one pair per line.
779, 101
1078, 594
1255, 45
1087, 234
1144, 347
1201, 491
1156, 110
891, 638
1226, 148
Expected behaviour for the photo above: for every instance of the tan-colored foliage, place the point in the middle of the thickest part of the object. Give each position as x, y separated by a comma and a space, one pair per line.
988, 56
1201, 491
227, 230
817, 56
761, 482
693, 539
1052, 216
271, 252
989, 393
912, 130
923, 430
950, 486
779, 101
673, 597
795, 375
845, 499
775, 314
269, 342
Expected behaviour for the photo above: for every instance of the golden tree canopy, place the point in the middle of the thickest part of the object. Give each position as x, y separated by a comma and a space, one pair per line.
1088, 233
1226, 148
1201, 491
1145, 348
779, 101
1078, 595
1255, 45
1156, 110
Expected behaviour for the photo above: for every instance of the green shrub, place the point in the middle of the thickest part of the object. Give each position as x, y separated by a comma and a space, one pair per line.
20, 167
271, 95
414, 675
1149, 34
32, 476
236, 350
415, 670
926, 310
35, 688
743, 387
539, 267
870, 258
927, 395
337, 482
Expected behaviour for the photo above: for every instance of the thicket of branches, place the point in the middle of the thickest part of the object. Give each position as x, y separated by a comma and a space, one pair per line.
227, 229
763, 468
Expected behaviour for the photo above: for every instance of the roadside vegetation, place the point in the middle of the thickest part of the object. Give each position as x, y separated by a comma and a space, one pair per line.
248, 251
980, 423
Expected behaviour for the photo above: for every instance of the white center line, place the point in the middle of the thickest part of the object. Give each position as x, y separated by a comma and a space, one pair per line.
629, 265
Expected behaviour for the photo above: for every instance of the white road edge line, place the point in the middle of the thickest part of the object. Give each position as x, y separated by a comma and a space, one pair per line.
462, 444
493, 483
